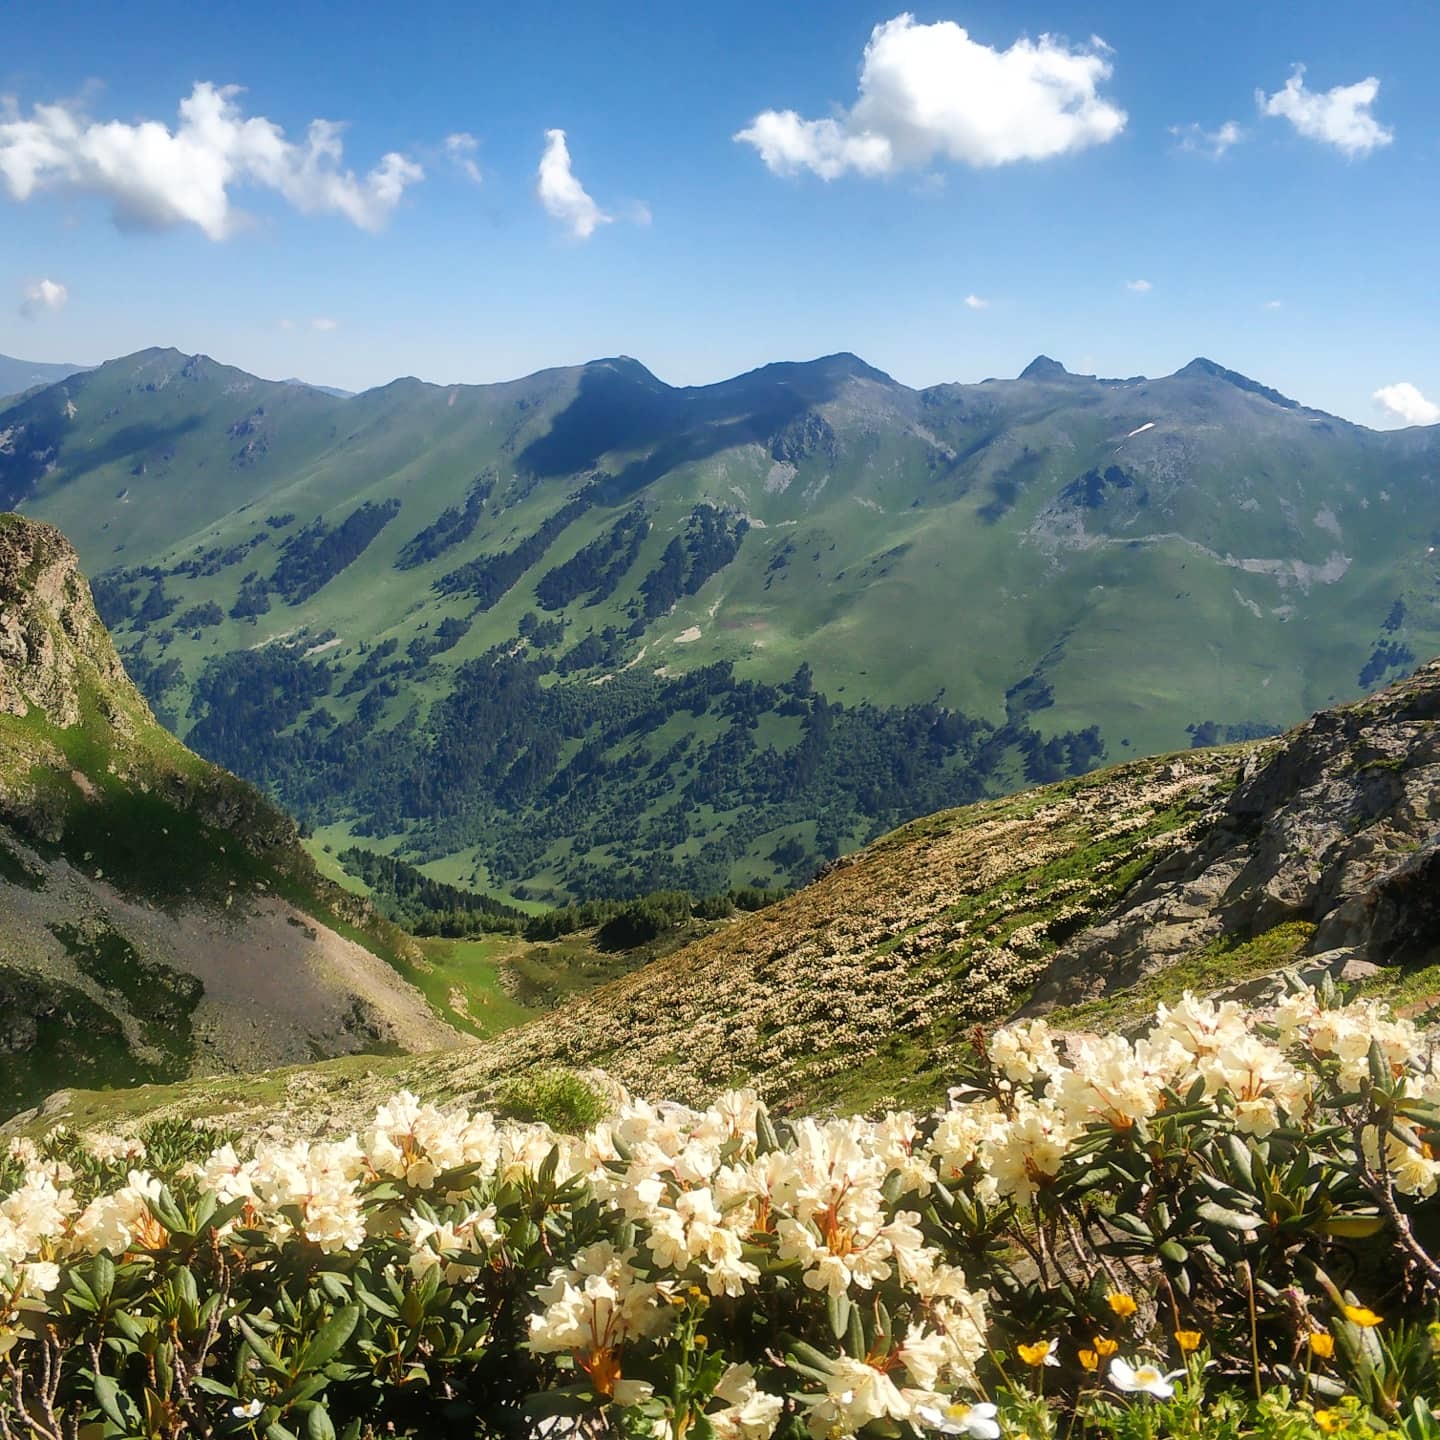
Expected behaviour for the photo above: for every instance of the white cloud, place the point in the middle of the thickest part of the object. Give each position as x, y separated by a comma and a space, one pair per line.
154, 177
287, 324
1274, 304
323, 322
1196, 137
976, 303
1406, 403
640, 214
42, 295
562, 195
1140, 287
929, 91
1340, 117
461, 148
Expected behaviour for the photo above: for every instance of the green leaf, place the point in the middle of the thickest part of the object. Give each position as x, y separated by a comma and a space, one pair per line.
1230, 1219
318, 1425
837, 1309
333, 1335
262, 1352
107, 1396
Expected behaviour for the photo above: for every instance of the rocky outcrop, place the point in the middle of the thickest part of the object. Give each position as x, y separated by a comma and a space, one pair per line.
51, 640
1337, 824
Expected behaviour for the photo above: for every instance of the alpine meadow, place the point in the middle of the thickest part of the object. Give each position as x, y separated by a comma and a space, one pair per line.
561, 898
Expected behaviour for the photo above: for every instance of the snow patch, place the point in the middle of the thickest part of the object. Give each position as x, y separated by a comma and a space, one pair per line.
1148, 425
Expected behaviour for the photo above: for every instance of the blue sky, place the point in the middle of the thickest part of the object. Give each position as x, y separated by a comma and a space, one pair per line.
1303, 255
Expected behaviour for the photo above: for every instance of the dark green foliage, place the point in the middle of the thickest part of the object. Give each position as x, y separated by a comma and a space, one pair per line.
1070, 754
1212, 732
711, 541
488, 577
247, 698
596, 569
424, 906
1391, 655
314, 556
253, 600
1396, 618
523, 766
197, 617
448, 633
279, 522
115, 595
454, 524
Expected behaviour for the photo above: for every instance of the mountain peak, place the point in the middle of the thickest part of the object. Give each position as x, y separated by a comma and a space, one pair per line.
1042, 367
1200, 367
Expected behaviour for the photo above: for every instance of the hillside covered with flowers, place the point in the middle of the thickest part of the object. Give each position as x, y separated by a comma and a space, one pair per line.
1226, 1227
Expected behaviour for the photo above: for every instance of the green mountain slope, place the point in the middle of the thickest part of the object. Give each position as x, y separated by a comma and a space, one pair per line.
158, 917
1087, 901
589, 633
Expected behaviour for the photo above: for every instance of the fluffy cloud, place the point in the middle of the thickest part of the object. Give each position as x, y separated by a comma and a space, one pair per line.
930, 91
1406, 403
154, 177
562, 195
1340, 117
975, 302
1209, 142
461, 148
1140, 287
323, 322
41, 296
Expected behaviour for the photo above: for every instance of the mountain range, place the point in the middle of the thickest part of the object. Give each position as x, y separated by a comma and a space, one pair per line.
588, 633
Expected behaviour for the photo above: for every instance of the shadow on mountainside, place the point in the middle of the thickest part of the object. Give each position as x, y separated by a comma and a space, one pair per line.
621, 406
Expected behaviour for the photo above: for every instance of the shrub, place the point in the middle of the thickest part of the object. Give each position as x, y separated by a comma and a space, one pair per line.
558, 1098
1215, 1231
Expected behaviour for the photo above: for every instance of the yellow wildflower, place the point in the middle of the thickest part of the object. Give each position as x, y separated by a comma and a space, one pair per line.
1362, 1316
1322, 1343
1123, 1306
1327, 1420
1042, 1352
1188, 1340
1089, 1359
1104, 1347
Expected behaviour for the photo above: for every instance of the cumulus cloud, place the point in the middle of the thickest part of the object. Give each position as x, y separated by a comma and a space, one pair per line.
1340, 117
1404, 401
154, 177
42, 296
975, 302
562, 195
461, 148
1140, 287
930, 91
1209, 142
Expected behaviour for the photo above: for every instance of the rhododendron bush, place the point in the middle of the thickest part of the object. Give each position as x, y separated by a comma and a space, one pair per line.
1235, 1210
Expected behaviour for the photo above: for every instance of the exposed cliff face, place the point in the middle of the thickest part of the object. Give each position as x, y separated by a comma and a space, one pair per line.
52, 644
159, 916
1336, 825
